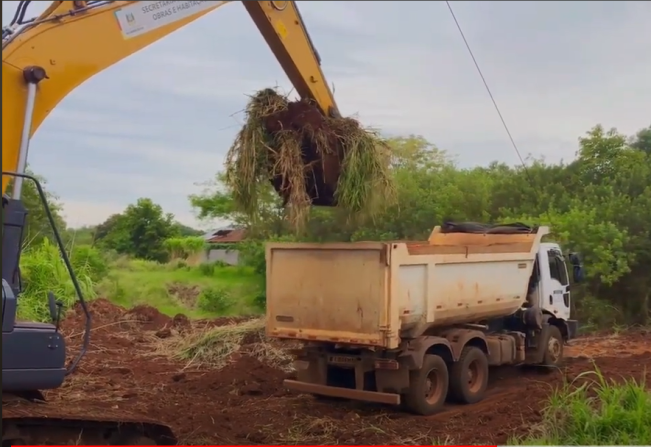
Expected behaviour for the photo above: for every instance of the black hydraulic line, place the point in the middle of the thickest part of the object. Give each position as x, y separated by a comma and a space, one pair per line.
19, 16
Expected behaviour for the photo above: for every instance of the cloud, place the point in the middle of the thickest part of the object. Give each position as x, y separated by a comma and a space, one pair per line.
160, 122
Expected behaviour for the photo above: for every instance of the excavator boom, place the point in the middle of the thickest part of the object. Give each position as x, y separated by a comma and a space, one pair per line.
44, 59
74, 40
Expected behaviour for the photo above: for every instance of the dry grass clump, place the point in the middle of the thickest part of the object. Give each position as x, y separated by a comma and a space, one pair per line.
309, 159
214, 347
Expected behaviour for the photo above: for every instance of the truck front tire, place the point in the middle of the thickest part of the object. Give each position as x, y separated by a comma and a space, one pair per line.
469, 376
428, 386
553, 348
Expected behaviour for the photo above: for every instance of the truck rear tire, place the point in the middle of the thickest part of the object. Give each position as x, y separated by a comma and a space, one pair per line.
553, 348
469, 376
428, 386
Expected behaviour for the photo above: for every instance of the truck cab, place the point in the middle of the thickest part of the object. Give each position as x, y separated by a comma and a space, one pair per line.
549, 287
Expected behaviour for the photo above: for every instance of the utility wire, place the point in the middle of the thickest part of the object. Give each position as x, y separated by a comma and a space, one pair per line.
490, 93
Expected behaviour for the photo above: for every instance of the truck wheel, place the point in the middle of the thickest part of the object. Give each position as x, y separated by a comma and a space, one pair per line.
469, 376
553, 348
428, 386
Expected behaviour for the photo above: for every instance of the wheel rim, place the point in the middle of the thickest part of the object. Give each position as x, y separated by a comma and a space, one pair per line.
554, 348
434, 387
475, 376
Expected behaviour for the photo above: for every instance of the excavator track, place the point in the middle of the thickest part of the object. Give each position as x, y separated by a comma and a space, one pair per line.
36, 422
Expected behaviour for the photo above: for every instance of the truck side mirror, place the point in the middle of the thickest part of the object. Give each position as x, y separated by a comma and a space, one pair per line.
577, 267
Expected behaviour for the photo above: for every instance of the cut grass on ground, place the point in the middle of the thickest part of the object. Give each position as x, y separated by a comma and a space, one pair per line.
134, 282
598, 412
213, 347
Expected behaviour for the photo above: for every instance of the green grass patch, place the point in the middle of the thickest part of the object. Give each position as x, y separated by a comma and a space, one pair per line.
598, 412
43, 271
204, 291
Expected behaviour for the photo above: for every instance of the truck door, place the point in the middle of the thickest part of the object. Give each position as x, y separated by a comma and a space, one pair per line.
558, 299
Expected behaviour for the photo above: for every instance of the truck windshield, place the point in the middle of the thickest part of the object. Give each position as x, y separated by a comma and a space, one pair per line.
557, 268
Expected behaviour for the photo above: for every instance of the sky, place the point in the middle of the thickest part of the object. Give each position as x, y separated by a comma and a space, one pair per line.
149, 127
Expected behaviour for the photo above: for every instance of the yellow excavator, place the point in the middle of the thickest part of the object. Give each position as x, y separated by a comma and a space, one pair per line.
43, 59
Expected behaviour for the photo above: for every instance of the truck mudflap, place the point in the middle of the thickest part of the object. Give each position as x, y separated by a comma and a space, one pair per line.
343, 393
572, 329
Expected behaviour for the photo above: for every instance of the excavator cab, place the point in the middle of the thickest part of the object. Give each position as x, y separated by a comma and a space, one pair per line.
33, 353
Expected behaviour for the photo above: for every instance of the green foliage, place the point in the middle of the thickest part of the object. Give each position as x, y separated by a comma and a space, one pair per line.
176, 287
90, 261
599, 412
140, 231
207, 268
185, 231
260, 301
598, 205
183, 247
106, 228
216, 300
43, 271
642, 140
210, 268
79, 236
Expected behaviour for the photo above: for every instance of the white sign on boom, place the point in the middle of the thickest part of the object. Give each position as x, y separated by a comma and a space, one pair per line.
143, 17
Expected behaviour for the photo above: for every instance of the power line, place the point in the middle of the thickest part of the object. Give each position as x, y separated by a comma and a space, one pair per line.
490, 93
539, 192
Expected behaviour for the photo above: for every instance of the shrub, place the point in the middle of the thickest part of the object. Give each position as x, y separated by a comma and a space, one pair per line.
599, 412
43, 271
184, 247
215, 300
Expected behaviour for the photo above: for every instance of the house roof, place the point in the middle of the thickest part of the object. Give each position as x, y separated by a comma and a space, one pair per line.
212, 233
227, 235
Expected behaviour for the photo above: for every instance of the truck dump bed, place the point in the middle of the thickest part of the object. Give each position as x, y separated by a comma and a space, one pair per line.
374, 294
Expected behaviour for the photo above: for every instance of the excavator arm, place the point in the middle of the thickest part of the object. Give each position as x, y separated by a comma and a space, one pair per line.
71, 41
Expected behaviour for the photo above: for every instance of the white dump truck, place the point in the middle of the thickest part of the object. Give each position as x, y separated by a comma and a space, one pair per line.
419, 323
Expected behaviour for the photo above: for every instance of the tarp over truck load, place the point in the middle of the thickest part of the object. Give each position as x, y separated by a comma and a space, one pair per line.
372, 293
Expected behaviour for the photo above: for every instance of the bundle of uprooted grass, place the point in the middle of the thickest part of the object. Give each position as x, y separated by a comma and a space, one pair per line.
309, 159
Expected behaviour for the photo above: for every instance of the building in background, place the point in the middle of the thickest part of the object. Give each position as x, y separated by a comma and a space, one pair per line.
222, 239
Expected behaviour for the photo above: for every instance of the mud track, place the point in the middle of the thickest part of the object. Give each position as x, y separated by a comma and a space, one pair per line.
245, 404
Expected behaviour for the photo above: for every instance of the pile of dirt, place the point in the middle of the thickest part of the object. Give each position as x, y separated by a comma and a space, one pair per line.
142, 320
309, 158
244, 402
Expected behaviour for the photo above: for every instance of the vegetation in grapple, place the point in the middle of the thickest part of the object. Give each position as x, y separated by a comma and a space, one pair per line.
308, 158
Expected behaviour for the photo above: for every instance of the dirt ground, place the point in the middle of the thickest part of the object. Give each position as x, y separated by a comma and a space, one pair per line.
245, 404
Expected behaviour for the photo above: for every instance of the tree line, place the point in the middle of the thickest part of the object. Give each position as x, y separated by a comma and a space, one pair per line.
598, 205
140, 231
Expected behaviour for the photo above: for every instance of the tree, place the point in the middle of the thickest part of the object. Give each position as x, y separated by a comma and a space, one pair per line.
216, 202
642, 140
140, 231
185, 231
107, 227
